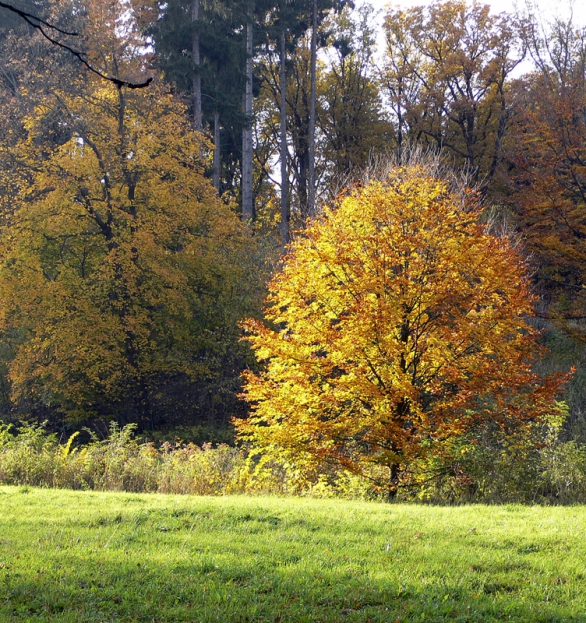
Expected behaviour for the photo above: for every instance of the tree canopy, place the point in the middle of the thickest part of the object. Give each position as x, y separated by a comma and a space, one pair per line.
121, 270
397, 322
124, 271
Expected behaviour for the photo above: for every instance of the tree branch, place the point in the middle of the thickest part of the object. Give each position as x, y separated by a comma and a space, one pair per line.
41, 25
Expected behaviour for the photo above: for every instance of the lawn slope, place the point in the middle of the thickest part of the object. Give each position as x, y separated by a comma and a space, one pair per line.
76, 557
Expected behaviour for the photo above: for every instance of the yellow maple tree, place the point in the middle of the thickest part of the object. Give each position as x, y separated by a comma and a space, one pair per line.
396, 323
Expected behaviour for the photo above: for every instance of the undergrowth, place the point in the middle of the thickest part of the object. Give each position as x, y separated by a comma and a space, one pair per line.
123, 462
538, 467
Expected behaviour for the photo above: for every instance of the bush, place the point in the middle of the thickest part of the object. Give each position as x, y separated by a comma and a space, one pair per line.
535, 464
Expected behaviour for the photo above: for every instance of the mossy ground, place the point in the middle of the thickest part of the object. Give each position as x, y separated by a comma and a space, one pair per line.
77, 557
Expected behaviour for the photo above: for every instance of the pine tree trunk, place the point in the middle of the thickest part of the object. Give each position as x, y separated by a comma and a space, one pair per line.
284, 177
197, 114
247, 200
217, 162
311, 181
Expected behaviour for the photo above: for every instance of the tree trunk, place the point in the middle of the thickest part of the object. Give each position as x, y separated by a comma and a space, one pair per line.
247, 200
400, 122
311, 189
302, 185
197, 114
284, 177
393, 485
217, 163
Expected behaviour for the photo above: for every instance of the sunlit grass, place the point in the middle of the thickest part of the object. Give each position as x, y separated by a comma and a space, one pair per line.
85, 556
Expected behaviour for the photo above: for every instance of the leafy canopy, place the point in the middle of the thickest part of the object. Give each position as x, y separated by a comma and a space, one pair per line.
396, 323
548, 147
120, 270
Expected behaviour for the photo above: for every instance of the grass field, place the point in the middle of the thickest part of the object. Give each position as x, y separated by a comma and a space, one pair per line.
83, 556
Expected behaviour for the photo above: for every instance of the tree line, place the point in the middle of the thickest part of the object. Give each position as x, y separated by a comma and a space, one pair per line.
140, 226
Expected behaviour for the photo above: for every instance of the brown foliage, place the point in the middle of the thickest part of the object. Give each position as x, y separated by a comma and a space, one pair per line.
548, 148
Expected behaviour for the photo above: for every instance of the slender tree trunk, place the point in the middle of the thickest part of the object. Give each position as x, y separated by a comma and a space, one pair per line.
247, 200
311, 189
284, 177
197, 114
217, 151
400, 122
393, 485
302, 185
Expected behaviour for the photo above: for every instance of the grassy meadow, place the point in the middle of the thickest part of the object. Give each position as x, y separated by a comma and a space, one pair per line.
73, 557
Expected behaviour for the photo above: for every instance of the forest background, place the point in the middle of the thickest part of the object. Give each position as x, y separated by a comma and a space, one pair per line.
133, 246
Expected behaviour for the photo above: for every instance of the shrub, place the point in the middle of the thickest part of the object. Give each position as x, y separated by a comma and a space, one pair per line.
533, 465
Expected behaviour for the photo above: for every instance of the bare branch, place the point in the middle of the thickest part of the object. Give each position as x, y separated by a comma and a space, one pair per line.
45, 28
27, 17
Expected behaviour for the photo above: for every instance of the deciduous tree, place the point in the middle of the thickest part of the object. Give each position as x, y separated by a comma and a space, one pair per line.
122, 275
548, 149
396, 323
351, 122
447, 72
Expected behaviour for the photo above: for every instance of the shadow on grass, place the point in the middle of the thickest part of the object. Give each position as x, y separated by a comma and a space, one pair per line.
87, 589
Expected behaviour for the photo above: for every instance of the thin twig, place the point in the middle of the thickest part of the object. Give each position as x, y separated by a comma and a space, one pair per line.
41, 25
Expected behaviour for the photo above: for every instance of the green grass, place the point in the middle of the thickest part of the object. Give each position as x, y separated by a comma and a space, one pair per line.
84, 556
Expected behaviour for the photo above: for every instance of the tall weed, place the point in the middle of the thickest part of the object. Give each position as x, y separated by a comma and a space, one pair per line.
122, 462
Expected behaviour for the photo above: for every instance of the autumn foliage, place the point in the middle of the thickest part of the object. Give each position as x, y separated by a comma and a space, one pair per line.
121, 275
396, 323
548, 147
